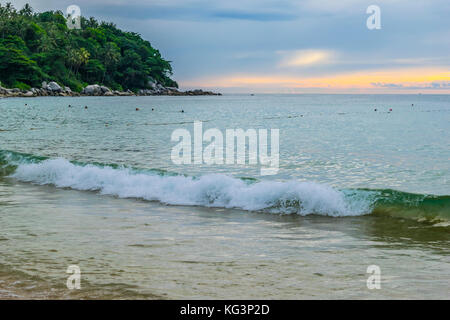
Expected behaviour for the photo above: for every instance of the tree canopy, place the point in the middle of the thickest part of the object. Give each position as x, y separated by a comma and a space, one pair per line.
36, 47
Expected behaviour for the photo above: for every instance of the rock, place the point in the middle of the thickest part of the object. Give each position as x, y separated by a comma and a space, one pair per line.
54, 87
152, 83
105, 89
44, 84
28, 94
108, 94
92, 90
67, 89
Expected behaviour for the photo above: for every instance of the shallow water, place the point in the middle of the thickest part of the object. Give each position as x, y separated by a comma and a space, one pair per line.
362, 188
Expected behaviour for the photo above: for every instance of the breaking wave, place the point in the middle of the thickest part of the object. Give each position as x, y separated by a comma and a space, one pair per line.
218, 190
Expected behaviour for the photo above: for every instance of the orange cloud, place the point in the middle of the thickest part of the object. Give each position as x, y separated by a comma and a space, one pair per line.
406, 78
302, 58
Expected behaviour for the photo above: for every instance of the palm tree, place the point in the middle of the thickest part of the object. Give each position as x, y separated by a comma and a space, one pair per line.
77, 58
83, 58
111, 56
27, 10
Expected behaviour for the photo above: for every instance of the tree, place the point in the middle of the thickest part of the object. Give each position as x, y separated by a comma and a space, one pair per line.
111, 56
39, 46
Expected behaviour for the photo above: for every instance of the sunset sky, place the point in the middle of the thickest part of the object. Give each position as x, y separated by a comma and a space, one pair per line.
285, 46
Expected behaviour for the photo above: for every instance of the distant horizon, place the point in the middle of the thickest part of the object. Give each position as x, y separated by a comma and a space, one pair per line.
226, 92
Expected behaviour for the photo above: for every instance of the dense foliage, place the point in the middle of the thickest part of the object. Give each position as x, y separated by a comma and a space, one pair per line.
39, 46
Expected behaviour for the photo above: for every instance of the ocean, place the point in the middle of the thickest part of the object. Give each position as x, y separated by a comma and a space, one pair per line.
363, 180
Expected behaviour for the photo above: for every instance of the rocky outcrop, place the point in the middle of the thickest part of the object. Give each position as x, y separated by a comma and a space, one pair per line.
48, 89
92, 90
54, 89
172, 91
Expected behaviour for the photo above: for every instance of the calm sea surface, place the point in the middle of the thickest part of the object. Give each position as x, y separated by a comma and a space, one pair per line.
97, 188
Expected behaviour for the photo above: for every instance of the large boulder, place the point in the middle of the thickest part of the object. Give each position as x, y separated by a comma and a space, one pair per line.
92, 90
105, 89
146, 92
172, 89
28, 94
54, 87
125, 93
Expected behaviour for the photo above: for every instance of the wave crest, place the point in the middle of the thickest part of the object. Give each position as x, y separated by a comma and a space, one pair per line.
213, 190
218, 190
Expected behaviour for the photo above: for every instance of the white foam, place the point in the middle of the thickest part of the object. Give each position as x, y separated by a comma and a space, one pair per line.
214, 190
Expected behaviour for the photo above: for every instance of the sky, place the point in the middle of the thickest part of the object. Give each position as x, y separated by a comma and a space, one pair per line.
288, 46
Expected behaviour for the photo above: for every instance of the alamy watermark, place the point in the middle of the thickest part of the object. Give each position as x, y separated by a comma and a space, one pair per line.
235, 144
74, 280
73, 20
374, 280
374, 20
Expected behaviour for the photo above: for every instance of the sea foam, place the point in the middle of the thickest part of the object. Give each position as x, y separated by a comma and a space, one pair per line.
212, 190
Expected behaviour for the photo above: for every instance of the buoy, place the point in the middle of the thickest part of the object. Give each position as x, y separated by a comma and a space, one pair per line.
182, 111
390, 109
375, 109
85, 107
153, 109
137, 109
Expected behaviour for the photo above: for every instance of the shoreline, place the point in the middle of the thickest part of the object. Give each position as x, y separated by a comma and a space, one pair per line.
54, 90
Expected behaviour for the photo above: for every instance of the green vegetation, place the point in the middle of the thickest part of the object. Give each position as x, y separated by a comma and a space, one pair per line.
36, 47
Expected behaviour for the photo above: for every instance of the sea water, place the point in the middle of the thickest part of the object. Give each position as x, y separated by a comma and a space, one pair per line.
97, 188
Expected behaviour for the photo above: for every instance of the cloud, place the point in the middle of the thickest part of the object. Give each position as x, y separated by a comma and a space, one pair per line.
255, 16
363, 81
386, 85
301, 58
191, 11
443, 85
314, 43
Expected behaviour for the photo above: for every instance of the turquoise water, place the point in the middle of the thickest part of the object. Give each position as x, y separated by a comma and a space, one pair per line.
97, 187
